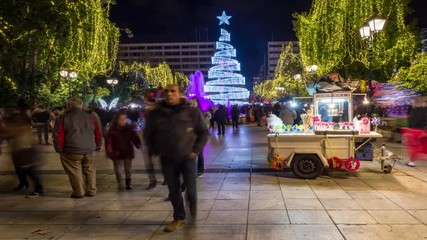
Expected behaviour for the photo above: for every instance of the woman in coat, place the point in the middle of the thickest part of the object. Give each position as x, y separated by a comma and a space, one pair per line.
119, 145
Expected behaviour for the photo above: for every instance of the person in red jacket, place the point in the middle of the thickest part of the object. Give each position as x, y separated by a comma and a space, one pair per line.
119, 147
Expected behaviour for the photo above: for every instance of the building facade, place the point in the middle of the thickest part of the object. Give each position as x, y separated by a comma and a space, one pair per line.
274, 49
186, 57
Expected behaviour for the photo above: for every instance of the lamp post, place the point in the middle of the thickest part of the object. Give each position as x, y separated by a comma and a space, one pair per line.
373, 25
113, 82
69, 75
297, 77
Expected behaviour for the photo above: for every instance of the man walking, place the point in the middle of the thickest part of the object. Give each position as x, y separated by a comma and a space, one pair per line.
220, 117
176, 131
76, 136
40, 118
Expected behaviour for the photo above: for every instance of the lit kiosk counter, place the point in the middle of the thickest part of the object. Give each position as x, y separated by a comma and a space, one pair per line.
328, 139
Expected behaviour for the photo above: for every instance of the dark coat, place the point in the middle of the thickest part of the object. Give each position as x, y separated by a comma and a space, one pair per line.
235, 113
119, 143
221, 115
175, 131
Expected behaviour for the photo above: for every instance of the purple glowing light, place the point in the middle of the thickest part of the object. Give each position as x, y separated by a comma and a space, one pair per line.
197, 90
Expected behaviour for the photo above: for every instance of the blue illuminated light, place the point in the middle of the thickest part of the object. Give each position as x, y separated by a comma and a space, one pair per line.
223, 19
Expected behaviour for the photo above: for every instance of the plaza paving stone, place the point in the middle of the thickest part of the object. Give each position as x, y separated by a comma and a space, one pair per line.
367, 204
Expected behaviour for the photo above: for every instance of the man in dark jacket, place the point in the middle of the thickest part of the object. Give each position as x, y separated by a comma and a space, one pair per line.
40, 118
235, 114
220, 117
76, 136
177, 132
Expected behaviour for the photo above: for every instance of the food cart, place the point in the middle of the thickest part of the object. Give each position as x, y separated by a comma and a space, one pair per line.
329, 138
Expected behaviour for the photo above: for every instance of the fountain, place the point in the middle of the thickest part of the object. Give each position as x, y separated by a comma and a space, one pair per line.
196, 89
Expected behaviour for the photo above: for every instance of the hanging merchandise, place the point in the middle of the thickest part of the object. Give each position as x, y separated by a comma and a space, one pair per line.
278, 163
352, 164
334, 162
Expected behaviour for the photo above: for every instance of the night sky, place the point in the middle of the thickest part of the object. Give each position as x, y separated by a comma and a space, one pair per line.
253, 23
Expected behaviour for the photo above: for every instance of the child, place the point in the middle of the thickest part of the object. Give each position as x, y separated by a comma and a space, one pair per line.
119, 147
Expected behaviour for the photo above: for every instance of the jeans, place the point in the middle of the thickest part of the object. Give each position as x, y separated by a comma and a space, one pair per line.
235, 122
172, 170
221, 127
149, 164
77, 166
42, 128
200, 163
118, 168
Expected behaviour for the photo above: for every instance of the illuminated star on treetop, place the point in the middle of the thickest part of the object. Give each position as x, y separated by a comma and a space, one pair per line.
224, 19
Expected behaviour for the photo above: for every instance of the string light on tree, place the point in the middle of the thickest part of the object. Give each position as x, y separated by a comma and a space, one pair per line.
226, 84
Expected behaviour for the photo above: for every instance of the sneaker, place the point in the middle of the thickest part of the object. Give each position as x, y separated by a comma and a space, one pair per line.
411, 164
151, 186
74, 196
90, 194
200, 175
33, 195
175, 225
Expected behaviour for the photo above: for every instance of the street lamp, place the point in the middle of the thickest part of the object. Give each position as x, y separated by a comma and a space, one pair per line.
113, 82
370, 27
69, 75
297, 77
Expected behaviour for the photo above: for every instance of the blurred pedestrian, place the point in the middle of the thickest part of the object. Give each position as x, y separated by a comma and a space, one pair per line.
288, 115
220, 117
119, 145
235, 115
201, 157
146, 153
40, 118
24, 156
176, 131
76, 137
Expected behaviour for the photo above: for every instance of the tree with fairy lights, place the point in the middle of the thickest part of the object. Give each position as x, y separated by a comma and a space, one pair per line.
226, 84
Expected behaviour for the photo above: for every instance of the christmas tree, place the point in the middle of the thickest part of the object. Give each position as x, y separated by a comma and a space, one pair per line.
226, 85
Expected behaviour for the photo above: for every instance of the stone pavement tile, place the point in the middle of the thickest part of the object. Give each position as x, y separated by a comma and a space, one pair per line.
111, 232
157, 204
204, 204
380, 232
7, 216
264, 180
365, 194
204, 232
126, 205
233, 195
227, 217
235, 186
411, 203
265, 187
237, 175
241, 204
108, 217
148, 217
353, 184
74, 218
303, 203
377, 204
200, 220
401, 193
309, 217
351, 217
267, 204
210, 186
300, 185
298, 193
340, 204
293, 232
266, 195
421, 215
207, 195
55, 206
393, 217
31, 218
90, 204
34, 231
334, 193
268, 217
327, 184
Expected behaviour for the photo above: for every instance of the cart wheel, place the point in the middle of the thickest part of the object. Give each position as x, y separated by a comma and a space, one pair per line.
335, 163
387, 168
307, 166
